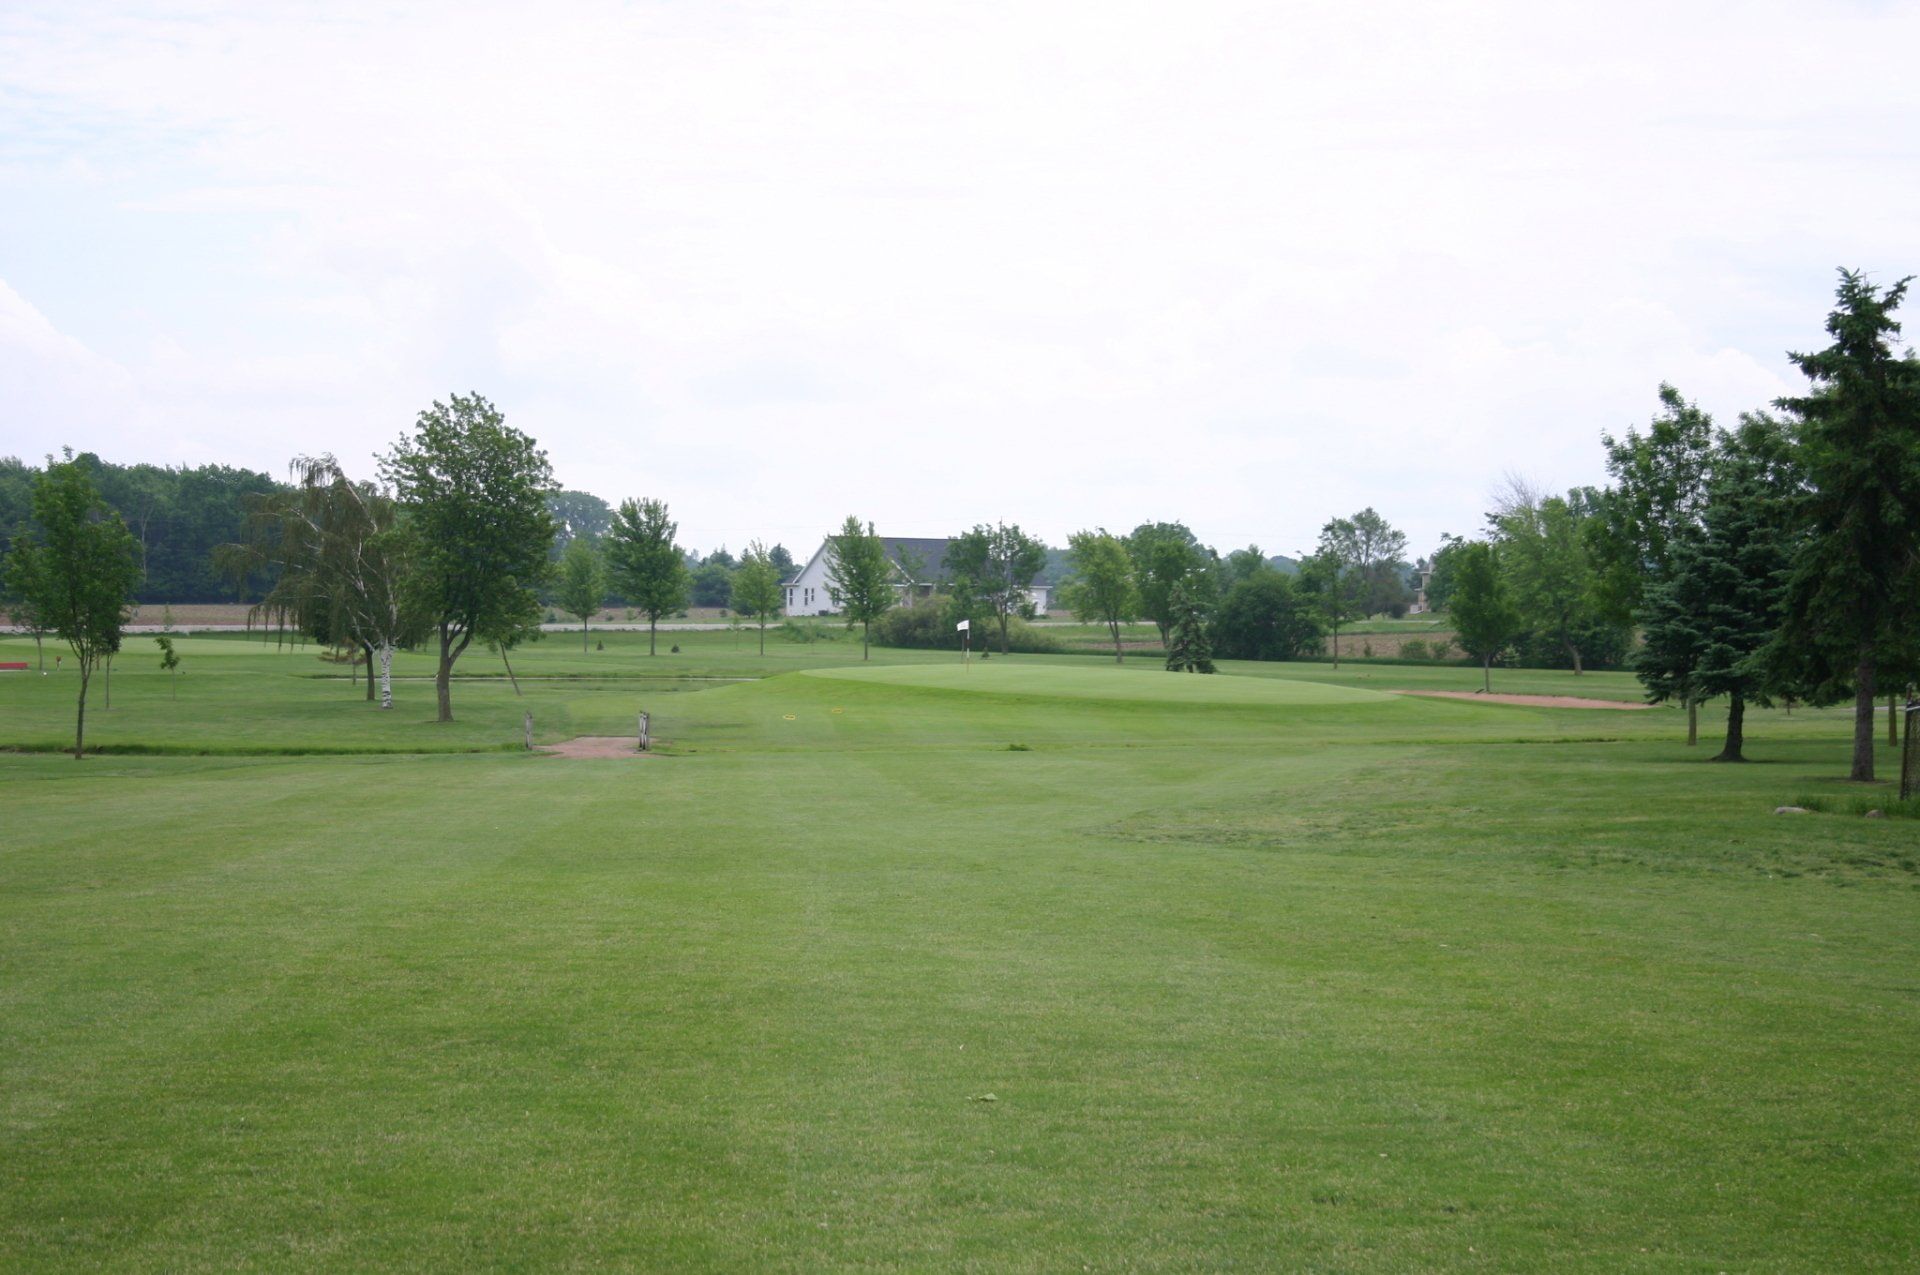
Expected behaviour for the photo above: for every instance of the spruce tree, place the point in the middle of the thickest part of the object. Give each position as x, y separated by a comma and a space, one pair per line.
1707, 623
1853, 593
1189, 650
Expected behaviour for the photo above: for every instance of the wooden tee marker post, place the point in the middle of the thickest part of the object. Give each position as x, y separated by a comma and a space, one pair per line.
646, 730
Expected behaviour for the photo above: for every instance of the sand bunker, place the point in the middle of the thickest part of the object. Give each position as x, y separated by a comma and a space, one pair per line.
1538, 701
595, 746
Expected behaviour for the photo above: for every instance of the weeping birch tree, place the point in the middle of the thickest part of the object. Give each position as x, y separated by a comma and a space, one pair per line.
340, 553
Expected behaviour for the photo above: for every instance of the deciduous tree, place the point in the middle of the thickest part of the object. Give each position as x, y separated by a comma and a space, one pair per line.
1658, 496
647, 569
169, 664
996, 566
1547, 559
577, 515
711, 583
1266, 616
1101, 589
860, 577
582, 583
475, 490
1165, 555
1332, 577
76, 568
1484, 618
1441, 571
756, 588
338, 553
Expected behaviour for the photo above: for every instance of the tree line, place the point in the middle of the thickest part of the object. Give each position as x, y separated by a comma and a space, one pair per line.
176, 516
1779, 560
1775, 561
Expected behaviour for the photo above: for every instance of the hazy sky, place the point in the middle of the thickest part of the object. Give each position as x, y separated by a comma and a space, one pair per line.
1248, 266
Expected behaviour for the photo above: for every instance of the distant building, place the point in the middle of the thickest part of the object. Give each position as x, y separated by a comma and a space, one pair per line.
1422, 577
920, 567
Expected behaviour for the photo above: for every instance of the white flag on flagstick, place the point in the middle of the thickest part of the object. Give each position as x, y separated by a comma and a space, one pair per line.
963, 626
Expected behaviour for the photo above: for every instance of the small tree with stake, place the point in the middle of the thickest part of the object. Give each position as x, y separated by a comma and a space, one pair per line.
77, 572
583, 583
169, 664
756, 588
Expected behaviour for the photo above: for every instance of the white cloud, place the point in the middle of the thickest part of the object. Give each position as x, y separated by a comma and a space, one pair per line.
51, 385
1246, 265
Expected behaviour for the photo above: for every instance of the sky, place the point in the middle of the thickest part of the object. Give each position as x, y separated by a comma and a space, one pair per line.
1246, 266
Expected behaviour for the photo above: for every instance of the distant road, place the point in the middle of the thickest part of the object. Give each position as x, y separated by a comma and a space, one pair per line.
625, 626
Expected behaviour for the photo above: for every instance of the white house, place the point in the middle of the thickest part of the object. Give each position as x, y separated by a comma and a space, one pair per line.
920, 568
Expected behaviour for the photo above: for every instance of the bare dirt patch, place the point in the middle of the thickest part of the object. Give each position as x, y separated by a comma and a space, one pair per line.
595, 746
1537, 701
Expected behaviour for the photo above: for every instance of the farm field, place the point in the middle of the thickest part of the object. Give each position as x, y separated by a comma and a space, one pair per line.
1038, 964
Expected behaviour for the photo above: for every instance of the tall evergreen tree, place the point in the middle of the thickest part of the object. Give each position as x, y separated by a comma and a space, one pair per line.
1188, 648
1853, 592
1707, 622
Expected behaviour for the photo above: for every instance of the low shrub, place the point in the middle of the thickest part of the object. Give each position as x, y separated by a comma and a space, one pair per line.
806, 629
929, 627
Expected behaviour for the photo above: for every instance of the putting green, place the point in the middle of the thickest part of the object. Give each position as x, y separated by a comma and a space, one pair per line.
1055, 681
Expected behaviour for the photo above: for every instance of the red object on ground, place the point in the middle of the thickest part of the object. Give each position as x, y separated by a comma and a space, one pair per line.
21, 667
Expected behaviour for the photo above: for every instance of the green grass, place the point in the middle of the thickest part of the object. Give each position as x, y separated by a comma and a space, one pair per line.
1268, 970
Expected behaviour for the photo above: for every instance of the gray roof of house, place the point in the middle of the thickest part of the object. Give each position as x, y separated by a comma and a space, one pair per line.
930, 553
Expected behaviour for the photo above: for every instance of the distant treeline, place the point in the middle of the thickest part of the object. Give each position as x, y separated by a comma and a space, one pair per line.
177, 517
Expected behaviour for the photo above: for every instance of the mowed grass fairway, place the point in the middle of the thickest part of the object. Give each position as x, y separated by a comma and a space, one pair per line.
1038, 965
